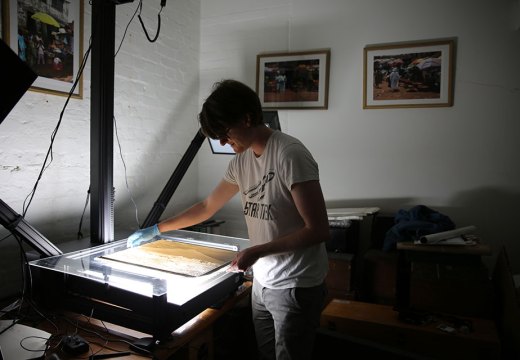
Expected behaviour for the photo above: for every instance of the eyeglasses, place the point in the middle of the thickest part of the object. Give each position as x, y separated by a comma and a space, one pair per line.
222, 135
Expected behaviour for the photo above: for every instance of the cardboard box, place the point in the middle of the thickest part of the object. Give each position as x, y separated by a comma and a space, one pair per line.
339, 278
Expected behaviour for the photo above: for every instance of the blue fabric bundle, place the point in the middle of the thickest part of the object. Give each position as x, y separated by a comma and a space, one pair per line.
411, 224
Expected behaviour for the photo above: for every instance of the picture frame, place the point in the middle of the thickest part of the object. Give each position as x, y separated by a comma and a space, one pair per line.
52, 35
409, 75
293, 80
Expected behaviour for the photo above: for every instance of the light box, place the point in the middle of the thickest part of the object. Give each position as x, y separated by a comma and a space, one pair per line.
135, 295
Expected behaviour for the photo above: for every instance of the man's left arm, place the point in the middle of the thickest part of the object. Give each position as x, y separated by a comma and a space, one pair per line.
309, 201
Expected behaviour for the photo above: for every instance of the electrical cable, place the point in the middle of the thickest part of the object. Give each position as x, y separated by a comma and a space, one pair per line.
26, 272
5, 237
158, 21
23, 259
26, 293
106, 339
126, 176
49, 154
24, 264
80, 234
126, 29
139, 7
27, 284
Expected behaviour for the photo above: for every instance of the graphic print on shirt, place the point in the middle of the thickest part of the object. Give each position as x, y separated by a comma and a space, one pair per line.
256, 193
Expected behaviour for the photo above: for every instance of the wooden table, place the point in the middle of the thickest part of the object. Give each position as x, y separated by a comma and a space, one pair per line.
446, 254
379, 326
186, 342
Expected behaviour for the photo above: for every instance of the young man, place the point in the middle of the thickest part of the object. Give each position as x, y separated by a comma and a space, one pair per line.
286, 217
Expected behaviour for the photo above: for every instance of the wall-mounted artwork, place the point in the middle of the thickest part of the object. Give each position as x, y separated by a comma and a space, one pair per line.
48, 36
296, 80
412, 74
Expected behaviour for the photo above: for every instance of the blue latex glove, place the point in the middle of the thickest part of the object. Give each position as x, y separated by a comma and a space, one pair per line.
140, 236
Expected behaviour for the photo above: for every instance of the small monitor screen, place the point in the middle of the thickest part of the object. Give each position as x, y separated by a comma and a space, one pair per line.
270, 119
217, 148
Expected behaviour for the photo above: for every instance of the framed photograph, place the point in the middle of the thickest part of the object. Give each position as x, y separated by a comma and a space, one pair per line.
297, 80
413, 74
48, 36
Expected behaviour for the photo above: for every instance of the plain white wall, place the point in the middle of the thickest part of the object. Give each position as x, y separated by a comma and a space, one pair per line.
156, 98
460, 160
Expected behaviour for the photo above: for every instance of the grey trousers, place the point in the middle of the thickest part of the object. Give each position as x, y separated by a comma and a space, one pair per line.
286, 320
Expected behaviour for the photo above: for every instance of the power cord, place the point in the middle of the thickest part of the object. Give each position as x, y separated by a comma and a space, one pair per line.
80, 233
126, 176
163, 3
126, 29
49, 155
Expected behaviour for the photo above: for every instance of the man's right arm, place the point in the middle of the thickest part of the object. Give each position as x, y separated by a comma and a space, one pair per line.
199, 212
202, 210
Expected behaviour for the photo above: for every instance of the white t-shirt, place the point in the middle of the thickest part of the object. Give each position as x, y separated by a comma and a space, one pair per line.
265, 189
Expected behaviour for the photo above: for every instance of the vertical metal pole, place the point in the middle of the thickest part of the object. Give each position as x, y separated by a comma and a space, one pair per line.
102, 121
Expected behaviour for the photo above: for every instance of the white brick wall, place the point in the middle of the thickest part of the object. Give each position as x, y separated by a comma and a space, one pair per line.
155, 106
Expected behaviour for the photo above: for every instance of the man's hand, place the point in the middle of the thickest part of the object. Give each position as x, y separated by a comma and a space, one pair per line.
140, 236
245, 259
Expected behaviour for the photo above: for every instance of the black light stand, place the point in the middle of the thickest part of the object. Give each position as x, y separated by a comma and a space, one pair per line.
17, 77
102, 121
17, 225
175, 179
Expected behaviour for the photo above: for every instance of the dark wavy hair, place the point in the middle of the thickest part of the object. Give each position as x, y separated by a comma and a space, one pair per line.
228, 104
